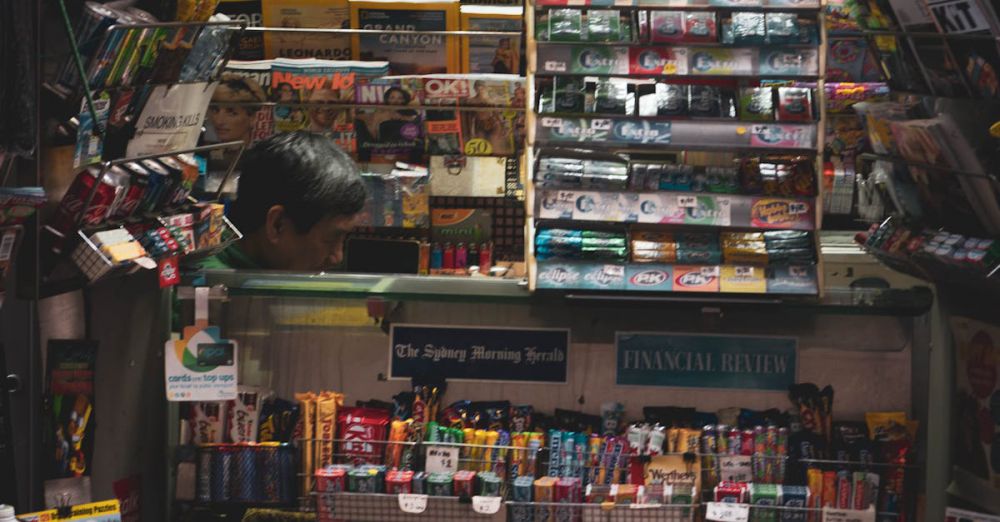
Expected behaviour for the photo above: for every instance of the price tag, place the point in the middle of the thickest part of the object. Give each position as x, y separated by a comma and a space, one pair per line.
550, 122
736, 468
554, 66
710, 271
848, 515
727, 512
797, 208
744, 271
687, 201
413, 504
486, 505
442, 459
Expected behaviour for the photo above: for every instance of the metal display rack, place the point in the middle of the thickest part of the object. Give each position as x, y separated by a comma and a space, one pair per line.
645, 137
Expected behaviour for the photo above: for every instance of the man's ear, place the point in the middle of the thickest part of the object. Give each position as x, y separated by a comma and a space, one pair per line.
275, 223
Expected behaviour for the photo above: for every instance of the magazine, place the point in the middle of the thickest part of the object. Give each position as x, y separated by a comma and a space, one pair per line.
244, 83
389, 135
305, 85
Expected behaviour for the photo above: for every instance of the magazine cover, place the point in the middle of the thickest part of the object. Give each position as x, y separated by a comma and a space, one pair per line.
946, 198
407, 53
244, 83
332, 14
474, 90
251, 46
306, 85
491, 54
976, 438
489, 133
389, 135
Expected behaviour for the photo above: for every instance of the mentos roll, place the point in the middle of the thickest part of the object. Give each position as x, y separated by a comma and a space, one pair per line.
420, 483
221, 475
488, 484
289, 473
245, 481
439, 484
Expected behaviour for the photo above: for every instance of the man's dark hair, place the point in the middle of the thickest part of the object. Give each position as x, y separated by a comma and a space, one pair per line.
304, 172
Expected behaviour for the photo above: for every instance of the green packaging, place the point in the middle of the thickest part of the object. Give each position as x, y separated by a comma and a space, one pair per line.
757, 104
604, 25
439, 485
565, 25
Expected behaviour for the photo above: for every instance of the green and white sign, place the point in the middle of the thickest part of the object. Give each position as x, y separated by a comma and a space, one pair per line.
706, 361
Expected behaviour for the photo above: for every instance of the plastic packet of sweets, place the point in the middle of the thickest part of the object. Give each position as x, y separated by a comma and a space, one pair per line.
207, 422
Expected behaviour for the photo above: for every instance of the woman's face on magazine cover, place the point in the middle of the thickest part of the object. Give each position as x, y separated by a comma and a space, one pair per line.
230, 123
395, 98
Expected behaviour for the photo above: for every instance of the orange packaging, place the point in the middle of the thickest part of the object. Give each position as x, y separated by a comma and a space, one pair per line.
696, 278
307, 414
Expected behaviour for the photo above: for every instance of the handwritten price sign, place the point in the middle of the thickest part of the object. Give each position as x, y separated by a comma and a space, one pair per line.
486, 505
727, 512
413, 504
442, 459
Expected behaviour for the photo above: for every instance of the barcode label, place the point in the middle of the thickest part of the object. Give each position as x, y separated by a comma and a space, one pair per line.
554, 66
7, 245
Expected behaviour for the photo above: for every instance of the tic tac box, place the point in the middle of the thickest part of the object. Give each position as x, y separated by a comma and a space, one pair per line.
792, 279
649, 277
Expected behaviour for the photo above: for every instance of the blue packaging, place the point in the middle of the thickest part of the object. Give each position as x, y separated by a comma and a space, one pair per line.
245, 474
791, 279
793, 497
649, 277
222, 462
523, 487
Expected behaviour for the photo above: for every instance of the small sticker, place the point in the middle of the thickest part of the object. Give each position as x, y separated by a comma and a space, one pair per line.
744, 271
552, 122
710, 271
798, 207
169, 270
687, 201
554, 66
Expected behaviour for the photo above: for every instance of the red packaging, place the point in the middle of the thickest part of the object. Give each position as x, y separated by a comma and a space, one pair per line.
73, 201
795, 104
331, 480
843, 490
830, 489
747, 443
700, 27
568, 489
360, 428
465, 483
397, 482
731, 492
138, 181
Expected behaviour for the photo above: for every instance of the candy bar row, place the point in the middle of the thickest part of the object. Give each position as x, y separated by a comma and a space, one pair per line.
368, 478
659, 60
616, 276
619, 97
768, 175
676, 208
573, 25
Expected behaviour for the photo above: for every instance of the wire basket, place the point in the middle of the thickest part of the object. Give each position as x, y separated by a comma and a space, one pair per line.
380, 507
606, 512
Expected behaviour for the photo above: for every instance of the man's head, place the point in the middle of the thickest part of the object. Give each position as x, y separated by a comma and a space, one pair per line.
297, 200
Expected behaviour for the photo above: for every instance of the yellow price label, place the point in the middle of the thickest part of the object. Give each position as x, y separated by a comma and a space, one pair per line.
478, 147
